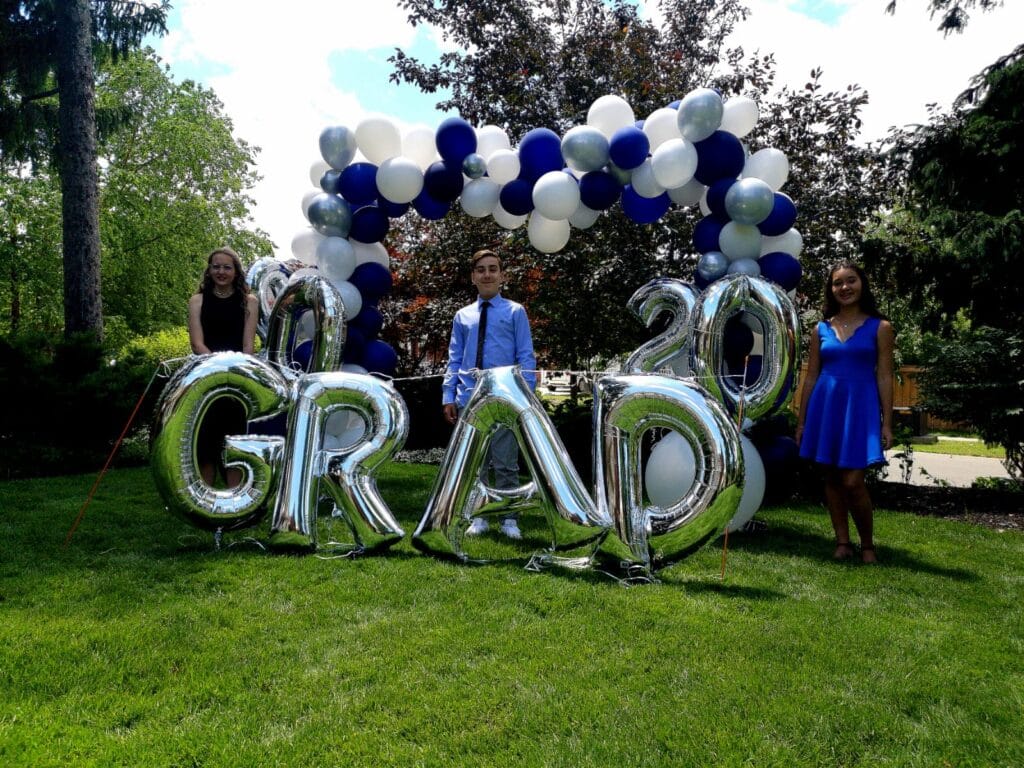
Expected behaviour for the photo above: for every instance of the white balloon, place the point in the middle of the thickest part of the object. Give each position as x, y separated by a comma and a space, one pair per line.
378, 138
503, 165
644, 182
418, 145
670, 471
350, 297
674, 163
316, 171
705, 209
661, 126
307, 199
790, 241
556, 195
336, 258
609, 113
583, 217
739, 116
304, 245
306, 326
353, 368
479, 197
691, 193
505, 219
489, 139
770, 165
753, 485
740, 241
370, 252
547, 236
399, 179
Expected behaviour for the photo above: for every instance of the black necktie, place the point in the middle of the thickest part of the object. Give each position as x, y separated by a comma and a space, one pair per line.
481, 334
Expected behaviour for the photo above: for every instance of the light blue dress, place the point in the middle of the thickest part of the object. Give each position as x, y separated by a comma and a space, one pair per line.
843, 424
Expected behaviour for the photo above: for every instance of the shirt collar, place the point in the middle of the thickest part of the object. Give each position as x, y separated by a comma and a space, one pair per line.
496, 299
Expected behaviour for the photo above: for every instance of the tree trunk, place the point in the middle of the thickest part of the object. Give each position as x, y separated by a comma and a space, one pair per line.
78, 175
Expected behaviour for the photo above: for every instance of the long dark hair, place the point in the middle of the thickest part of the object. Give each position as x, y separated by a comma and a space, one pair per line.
239, 284
867, 303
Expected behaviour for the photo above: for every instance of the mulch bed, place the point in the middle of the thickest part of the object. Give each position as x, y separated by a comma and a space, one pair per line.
997, 509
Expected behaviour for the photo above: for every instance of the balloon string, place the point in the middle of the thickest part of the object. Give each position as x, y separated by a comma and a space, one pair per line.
725, 551
110, 458
739, 425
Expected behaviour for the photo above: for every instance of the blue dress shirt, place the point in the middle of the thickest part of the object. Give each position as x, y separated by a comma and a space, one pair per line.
507, 342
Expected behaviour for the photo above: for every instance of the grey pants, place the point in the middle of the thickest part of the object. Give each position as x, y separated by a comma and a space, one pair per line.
503, 458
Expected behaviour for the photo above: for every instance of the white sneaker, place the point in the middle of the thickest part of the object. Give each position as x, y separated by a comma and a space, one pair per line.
511, 529
478, 526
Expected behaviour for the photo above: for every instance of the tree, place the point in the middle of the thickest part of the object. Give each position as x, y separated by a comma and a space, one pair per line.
49, 49
542, 64
953, 16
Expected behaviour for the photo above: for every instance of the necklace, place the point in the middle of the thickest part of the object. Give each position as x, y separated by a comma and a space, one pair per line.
223, 294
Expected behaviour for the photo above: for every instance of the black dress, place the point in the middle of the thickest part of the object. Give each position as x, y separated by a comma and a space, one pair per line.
223, 324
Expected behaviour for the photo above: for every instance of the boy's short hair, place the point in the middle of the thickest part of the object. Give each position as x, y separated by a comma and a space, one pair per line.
482, 254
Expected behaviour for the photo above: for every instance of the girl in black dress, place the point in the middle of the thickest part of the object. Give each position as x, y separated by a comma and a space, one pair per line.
222, 317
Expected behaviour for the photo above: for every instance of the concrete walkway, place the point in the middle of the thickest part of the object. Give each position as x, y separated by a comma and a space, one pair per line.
959, 471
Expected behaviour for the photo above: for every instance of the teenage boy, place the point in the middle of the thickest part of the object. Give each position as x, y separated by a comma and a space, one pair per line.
490, 332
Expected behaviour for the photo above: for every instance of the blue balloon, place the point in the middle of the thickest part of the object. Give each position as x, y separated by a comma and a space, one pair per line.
782, 269
517, 197
700, 281
705, 234
782, 217
738, 339
719, 156
443, 181
455, 139
644, 210
302, 354
369, 320
777, 453
358, 183
675, 104
393, 210
355, 345
330, 182
380, 357
716, 196
369, 224
429, 208
372, 279
599, 190
540, 151
629, 147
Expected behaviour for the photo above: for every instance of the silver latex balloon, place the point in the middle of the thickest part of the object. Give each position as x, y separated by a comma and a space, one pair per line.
712, 265
646, 535
502, 398
196, 386
474, 166
770, 305
748, 267
314, 294
337, 146
661, 295
699, 114
330, 215
749, 201
585, 148
266, 277
346, 474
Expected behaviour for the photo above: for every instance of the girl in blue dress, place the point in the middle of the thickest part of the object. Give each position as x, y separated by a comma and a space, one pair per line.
845, 420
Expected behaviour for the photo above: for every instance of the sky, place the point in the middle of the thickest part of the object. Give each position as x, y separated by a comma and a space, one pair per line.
283, 77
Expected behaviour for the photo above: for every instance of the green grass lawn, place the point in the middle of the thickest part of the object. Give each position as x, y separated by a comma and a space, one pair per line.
138, 645
962, 448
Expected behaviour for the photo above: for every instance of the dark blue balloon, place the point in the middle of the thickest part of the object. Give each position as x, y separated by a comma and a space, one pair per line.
719, 156
644, 210
777, 453
599, 190
540, 151
782, 217
455, 139
393, 210
369, 224
330, 182
705, 234
738, 339
716, 196
380, 357
355, 345
782, 269
628, 147
372, 279
358, 183
429, 208
369, 320
517, 197
302, 354
443, 181
699, 281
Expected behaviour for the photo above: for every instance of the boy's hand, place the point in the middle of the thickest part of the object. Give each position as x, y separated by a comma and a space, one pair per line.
451, 413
